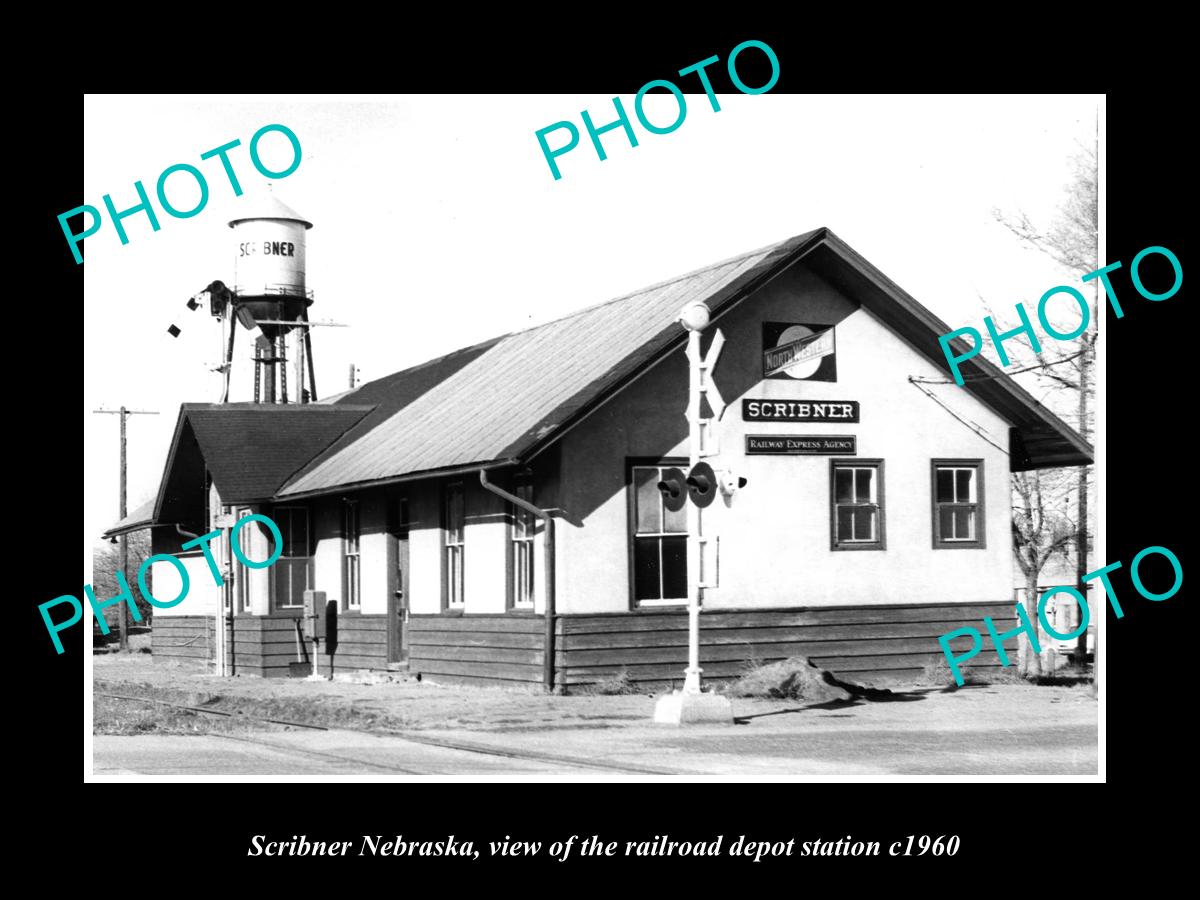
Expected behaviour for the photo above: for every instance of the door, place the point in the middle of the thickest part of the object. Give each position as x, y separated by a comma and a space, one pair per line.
398, 582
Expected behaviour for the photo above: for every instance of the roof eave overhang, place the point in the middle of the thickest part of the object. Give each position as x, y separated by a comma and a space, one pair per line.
230, 499
445, 472
129, 529
983, 379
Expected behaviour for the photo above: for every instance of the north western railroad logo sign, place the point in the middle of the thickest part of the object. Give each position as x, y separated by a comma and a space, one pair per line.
799, 351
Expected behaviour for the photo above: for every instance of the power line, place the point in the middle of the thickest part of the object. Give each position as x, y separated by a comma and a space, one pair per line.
1005, 374
978, 429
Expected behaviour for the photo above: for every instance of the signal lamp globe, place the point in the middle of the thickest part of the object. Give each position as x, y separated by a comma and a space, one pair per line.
694, 317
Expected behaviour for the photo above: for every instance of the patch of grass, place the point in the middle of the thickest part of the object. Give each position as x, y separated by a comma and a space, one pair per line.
938, 672
752, 663
1070, 674
125, 717
1002, 675
619, 683
795, 678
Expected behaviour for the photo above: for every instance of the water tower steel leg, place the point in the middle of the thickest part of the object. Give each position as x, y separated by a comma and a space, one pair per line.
269, 375
281, 355
312, 375
300, 398
229, 359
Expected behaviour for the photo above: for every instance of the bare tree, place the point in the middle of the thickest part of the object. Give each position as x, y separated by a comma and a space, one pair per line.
1067, 367
1040, 532
106, 561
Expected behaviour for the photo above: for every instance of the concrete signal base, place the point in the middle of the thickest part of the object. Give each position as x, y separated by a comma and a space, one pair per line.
693, 709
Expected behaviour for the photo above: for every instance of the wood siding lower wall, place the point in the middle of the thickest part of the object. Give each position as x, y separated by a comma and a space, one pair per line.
266, 646
867, 644
476, 649
184, 640
362, 643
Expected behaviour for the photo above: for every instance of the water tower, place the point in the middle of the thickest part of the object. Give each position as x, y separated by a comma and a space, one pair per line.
270, 299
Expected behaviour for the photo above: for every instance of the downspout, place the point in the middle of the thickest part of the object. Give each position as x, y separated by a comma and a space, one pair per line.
219, 634
548, 531
223, 656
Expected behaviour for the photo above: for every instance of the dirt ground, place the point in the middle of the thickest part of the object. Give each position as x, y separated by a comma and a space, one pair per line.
406, 705
400, 705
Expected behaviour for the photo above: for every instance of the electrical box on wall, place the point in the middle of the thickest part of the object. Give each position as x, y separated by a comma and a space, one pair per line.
320, 620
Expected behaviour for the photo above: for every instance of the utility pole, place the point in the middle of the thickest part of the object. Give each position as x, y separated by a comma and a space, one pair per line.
124, 413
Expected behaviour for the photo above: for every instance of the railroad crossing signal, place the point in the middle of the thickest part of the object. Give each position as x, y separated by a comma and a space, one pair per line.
702, 484
674, 489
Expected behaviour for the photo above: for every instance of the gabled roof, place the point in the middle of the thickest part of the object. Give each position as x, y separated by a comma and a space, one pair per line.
392, 393
521, 388
504, 400
250, 449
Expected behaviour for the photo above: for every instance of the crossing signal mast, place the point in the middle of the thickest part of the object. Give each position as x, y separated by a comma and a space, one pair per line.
700, 486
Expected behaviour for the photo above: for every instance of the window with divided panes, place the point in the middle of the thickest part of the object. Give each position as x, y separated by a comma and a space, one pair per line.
957, 503
351, 564
523, 525
659, 541
291, 574
454, 525
856, 504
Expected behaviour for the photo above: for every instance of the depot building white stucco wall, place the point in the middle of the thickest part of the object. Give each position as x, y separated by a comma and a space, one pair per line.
775, 535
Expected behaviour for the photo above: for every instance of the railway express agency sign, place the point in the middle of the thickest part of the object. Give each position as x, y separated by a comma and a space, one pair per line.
801, 444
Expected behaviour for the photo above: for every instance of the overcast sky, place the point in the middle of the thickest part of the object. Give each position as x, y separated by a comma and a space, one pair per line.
438, 223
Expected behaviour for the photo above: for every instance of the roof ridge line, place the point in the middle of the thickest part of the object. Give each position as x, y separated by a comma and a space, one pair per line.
282, 407
579, 312
413, 367
656, 285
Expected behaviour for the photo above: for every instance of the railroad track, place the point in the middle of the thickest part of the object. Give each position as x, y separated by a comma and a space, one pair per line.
463, 746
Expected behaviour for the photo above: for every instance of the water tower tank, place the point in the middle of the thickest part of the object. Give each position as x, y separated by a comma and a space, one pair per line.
268, 248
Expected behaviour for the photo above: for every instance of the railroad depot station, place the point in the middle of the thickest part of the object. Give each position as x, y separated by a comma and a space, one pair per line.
874, 515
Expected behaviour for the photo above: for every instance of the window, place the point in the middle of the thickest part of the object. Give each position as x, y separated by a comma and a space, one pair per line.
659, 542
521, 547
352, 586
290, 573
398, 527
958, 503
454, 519
856, 504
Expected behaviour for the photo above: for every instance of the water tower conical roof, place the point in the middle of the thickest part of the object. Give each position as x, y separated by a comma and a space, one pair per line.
268, 206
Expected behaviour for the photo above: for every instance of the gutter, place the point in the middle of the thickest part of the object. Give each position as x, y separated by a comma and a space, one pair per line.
283, 496
548, 556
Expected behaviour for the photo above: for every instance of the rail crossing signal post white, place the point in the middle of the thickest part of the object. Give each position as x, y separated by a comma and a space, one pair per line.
693, 705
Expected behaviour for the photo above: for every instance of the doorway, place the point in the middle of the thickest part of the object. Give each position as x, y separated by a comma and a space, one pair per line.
398, 598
